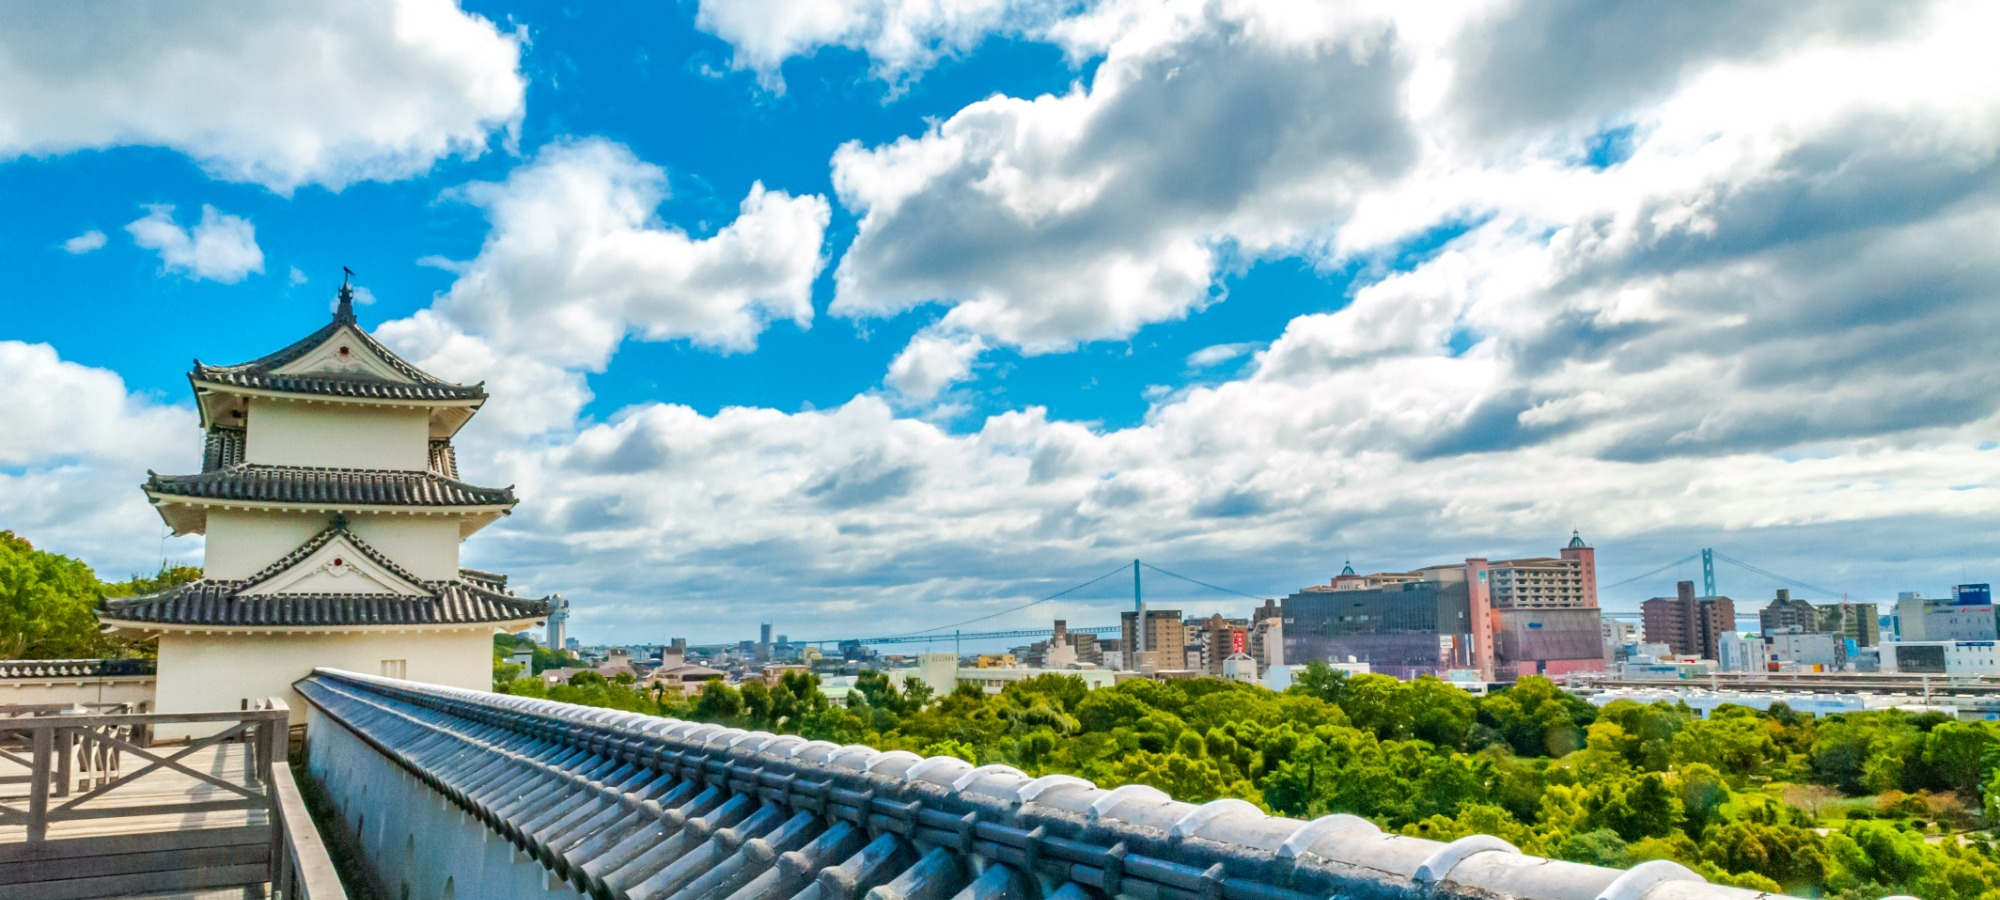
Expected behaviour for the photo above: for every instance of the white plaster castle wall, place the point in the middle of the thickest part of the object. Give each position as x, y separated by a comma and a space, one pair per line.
241, 543
217, 672
336, 435
86, 691
425, 545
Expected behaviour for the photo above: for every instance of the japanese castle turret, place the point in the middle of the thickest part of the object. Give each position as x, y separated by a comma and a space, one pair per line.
330, 497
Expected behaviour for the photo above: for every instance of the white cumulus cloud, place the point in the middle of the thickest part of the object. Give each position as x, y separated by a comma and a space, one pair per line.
577, 259
218, 247
85, 242
75, 451
900, 36
933, 361
280, 94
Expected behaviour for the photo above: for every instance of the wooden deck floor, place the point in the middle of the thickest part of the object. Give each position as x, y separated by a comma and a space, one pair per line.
125, 848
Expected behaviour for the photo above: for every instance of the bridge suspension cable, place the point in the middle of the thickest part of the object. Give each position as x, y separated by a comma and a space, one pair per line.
1118, 571
1777, 577
1212, 587
1679, 562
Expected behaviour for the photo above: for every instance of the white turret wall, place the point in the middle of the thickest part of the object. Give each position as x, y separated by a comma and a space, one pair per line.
243, 542
336, 435
218, 671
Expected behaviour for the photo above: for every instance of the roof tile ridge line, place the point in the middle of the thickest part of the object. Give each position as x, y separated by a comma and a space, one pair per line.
166, 594
283, 355
247, 468
397, 362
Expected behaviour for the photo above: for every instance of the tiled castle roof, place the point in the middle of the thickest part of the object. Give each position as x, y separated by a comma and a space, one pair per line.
303, 484
472, 598
258, 373
219, 603
333, 385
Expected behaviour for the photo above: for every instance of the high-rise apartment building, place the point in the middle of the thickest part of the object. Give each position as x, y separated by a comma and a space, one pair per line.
1855, 622
1687, 624
1787, 613
1164, 646
1214, 639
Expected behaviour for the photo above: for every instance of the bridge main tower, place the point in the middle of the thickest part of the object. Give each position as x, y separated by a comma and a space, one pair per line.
330, 497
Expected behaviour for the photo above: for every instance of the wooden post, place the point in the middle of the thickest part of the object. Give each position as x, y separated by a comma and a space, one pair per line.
65, 747
38, 789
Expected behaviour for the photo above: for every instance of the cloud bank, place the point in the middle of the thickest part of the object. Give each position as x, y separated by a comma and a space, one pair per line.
281, 95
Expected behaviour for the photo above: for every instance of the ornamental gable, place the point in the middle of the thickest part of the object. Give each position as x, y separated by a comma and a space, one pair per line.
341, 564
345, 352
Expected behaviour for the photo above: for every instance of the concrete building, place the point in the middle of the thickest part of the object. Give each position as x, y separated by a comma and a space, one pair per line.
1520, 617
1741, 653
1813, 651
1164, 643
558, 627
1688, 624
1566, 582
1239, 667
1859, 623
1267, 643
1941, 657
1063, 649
1787, 613
1215, 639
1967, 616
1855, 622
330, 497
1616, 633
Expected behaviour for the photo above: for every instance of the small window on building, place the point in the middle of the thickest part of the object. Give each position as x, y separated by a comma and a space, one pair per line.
395, 668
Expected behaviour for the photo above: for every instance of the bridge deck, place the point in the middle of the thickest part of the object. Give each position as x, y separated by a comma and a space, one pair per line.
140, 838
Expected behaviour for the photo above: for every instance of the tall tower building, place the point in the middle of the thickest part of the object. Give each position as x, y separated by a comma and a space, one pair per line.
330, 497
558, 631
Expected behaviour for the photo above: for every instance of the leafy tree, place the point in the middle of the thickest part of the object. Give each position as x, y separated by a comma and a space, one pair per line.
1183, 778
1702, 793
1643, 807
1322, 682
1955, 755
718, 702
47, 604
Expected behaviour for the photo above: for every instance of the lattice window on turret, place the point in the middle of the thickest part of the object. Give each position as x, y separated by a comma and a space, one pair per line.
224, 448
444, 459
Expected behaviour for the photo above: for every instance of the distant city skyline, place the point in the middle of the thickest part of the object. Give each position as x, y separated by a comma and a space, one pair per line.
872, 317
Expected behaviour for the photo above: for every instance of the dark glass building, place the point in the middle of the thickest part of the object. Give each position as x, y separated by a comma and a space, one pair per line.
1404, 630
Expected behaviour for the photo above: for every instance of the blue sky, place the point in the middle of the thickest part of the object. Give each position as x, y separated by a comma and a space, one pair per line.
874, 313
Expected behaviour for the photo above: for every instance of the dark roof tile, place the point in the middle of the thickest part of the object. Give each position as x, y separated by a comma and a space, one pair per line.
219, 603
303, 484
257, 374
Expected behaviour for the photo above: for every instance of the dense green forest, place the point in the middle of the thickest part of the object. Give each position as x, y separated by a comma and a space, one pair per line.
1860, 805
47, 604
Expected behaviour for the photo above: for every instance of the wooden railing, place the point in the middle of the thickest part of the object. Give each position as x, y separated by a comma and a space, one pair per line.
301, 869
73, 766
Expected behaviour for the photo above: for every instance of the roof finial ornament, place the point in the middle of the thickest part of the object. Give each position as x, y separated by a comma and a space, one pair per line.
344, 313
